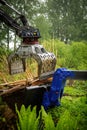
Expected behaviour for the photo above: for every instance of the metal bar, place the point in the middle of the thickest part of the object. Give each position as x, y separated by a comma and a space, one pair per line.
38, 87
79, 74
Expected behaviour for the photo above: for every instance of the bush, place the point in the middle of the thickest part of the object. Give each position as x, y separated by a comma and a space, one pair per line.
29, 121
68, 55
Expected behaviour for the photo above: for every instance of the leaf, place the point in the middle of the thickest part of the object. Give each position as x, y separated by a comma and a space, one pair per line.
66, 122
48, 121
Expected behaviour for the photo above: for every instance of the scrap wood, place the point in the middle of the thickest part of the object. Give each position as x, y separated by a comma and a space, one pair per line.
41, 81
22, 86
22, 82
11, 90
28, 79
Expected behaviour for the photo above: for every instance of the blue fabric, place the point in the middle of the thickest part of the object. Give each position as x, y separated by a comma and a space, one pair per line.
52, 97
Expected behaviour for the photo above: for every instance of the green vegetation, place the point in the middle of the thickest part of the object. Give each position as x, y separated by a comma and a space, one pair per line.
59, 22
64, 20
71, 56
71, 115
27, 119
68, 19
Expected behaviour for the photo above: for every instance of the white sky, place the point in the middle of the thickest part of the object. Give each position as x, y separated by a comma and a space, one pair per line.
42, 0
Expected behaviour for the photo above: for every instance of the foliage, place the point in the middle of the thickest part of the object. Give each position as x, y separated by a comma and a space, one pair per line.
48, 122
44, 30
66, 122
71, 56
56, 19
68, 19
73, 91
71, 115
27, 118
59, 19
28, 8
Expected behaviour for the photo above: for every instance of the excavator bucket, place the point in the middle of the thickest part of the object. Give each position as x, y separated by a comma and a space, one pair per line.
46, 61
30, 46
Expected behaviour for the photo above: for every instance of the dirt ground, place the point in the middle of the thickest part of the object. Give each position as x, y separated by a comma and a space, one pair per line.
7, 118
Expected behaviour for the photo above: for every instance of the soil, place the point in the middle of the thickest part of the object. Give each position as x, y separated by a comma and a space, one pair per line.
7, 118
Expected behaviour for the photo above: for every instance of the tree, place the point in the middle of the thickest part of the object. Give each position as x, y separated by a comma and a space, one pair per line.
69, 19
44, 26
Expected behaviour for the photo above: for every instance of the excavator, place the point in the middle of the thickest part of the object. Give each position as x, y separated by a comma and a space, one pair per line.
29, 47
47, 89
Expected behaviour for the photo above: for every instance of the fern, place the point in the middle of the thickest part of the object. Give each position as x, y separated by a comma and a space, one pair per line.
32, 120
27, 119
48, 122
21, 125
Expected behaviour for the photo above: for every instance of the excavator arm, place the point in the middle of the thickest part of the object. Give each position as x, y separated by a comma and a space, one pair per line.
4, 17
23, 30
30, 46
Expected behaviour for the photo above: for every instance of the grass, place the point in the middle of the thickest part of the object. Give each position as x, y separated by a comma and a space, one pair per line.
74, 91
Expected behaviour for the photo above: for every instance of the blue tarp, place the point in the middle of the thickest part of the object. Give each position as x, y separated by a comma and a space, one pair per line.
53, 96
